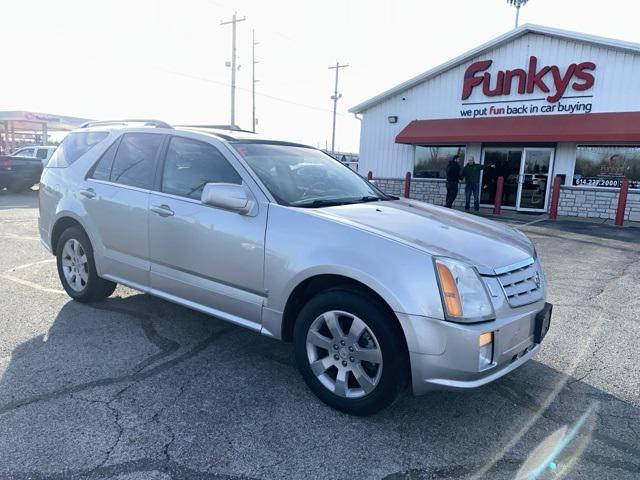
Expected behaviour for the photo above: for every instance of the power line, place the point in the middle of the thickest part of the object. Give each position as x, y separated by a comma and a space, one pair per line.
335, 98
234, 20
259, 94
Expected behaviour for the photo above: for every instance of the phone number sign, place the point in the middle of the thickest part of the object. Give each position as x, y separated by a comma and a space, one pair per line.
603, 182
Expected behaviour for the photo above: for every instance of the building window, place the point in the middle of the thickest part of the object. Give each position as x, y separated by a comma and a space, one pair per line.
607, 165
430, 161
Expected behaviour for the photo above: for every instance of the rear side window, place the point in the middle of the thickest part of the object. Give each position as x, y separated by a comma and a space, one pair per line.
74, 146
135, 160
41, 153
190, 165
102, 169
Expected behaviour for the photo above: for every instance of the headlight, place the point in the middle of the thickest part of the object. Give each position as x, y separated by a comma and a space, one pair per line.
464, 295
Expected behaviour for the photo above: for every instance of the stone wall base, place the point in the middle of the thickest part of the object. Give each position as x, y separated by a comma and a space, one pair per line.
582, 202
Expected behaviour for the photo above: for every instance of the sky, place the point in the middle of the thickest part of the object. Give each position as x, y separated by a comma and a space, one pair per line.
166, 59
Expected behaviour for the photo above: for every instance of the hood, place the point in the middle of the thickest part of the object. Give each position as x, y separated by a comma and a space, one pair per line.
486, 244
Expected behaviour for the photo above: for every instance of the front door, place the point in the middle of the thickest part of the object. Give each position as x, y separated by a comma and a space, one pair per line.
526, 174
501, 162
202, 256
533, 181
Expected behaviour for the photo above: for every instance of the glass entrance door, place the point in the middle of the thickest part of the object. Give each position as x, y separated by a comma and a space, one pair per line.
533, 181
501, 162
526, 177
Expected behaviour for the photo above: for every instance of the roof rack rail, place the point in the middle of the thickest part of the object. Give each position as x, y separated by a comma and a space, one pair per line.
146, 122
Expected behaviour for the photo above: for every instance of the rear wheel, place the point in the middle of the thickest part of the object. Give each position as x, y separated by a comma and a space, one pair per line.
350, 351
77, 268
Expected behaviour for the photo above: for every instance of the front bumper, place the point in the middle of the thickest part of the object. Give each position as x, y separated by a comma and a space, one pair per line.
449, 360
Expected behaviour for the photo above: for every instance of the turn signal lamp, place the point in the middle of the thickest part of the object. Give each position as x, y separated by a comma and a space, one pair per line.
449, 291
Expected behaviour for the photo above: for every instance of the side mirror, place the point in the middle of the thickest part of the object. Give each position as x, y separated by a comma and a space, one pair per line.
229, 196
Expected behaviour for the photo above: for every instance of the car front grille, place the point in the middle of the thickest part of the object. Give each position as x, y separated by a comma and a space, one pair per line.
522, 285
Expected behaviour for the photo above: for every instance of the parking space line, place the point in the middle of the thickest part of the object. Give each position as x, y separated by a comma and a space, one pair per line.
19, 237
531, 223
27, 265
27, 283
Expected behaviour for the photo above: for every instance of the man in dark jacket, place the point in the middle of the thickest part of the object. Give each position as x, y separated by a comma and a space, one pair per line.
471, 176
453, 177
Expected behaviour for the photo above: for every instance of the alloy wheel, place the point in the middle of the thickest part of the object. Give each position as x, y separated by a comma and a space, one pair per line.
75, 265
344, 354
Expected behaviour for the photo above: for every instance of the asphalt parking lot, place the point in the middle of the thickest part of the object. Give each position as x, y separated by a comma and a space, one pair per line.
137, 388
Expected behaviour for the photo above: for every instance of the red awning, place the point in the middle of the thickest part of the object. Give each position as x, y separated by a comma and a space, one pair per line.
586, 127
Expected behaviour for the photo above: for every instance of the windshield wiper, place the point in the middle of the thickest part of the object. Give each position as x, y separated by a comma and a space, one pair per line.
320, 202
369, 198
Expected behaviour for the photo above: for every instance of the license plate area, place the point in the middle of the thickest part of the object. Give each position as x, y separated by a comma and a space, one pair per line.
542, 323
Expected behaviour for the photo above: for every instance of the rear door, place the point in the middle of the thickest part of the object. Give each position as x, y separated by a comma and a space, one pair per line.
116, 198
209, 258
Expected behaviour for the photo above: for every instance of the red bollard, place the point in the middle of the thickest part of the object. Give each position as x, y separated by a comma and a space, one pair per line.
622, 201
407, 184
369, 175
555, 197
498, 199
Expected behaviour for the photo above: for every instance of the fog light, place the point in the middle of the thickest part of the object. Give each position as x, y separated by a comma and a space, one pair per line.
485, 343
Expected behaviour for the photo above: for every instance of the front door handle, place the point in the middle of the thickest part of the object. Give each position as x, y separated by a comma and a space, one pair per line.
162, 210
88, 192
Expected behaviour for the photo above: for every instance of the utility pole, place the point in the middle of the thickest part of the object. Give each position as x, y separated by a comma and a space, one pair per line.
253, 77
335, 98
517, 4
234, 20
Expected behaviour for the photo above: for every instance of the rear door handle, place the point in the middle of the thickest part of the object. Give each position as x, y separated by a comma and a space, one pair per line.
88, 192
162, 210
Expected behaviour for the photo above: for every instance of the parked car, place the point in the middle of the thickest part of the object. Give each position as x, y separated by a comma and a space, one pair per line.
18, 173
42, 152
374, 291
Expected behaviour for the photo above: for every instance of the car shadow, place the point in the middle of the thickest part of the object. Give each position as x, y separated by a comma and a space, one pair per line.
26, 199
100, 365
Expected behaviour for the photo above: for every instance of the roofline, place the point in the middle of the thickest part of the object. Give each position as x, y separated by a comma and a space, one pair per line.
504, 38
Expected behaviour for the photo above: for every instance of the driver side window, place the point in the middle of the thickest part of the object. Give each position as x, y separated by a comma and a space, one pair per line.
190, 164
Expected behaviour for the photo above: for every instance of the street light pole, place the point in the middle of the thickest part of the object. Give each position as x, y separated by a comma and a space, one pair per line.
234, 20
517, 4
335, 98
253, 78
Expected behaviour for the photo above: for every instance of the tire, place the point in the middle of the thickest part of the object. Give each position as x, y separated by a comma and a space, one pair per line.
79, 278
380, 338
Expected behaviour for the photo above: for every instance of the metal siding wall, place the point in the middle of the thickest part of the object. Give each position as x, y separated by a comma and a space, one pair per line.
564, 161
615, 89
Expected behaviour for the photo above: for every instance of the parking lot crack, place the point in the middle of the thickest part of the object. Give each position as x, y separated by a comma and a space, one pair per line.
107, 381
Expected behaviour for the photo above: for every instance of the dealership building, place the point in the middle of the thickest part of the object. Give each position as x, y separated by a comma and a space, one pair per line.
529, 105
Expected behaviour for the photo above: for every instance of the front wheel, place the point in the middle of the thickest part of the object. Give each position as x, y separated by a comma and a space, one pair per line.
77, 268
350, 351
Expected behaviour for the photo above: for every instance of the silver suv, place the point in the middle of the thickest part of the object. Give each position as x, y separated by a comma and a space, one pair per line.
374, 291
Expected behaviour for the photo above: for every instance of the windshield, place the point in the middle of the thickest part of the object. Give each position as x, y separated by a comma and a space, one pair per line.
306, 177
